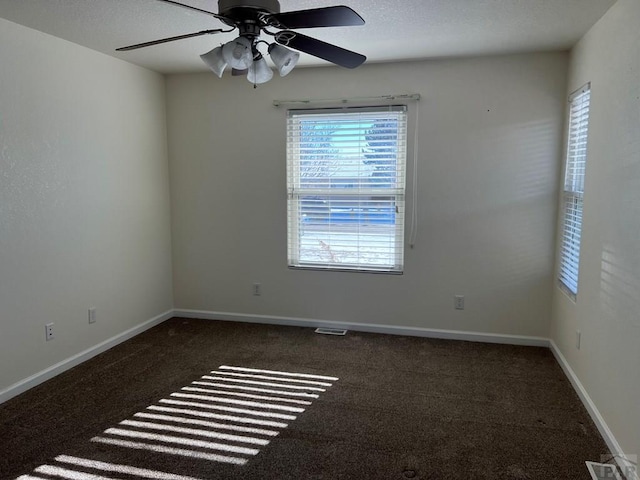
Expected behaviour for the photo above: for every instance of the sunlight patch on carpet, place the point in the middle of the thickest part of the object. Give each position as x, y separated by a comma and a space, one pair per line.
264, 384
238, 414
246, 395
195, 431
170, 450
233, 401
205, 423
255, 389
276, 372
224, 408
107, 467
217, 416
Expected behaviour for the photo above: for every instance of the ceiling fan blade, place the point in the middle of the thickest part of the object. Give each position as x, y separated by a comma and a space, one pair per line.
178, 4
338, 16
239, 73
165, 40
320, 49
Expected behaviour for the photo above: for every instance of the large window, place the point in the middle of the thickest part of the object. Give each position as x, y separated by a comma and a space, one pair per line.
346, 188
574, 188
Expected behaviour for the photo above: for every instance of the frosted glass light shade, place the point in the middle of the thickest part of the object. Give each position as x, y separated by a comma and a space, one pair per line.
237, 53
283, 58
259, 71
215, 61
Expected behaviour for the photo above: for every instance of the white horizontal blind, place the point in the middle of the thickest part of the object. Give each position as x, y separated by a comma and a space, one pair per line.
574, 188
346, 188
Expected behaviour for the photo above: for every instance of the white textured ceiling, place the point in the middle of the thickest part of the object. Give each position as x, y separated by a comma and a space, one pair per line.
394, 30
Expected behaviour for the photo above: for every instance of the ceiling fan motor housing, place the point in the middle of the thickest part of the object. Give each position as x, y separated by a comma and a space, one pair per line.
247, 10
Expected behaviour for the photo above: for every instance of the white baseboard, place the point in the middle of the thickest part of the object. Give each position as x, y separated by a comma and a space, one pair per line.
595, 415
58, 368
367, 327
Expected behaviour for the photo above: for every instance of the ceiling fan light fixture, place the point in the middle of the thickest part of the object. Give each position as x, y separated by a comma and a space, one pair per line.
259, 71
284, 59
237, 53
215, 61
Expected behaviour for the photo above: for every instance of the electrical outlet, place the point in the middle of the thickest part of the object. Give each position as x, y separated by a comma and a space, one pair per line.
48, 328
458, 302
92, 315
257, 289
578, 339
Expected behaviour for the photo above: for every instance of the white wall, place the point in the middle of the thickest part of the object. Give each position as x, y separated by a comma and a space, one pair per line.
607, 308
489, 149
84, 199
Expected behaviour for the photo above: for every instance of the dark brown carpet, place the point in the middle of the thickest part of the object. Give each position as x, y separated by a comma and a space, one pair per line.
402, 407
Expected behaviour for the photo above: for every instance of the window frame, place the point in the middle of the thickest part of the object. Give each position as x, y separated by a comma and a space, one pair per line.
573, 190
396, 195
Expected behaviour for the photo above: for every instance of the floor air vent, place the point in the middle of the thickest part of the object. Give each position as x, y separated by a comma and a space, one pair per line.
603, 471
331, 331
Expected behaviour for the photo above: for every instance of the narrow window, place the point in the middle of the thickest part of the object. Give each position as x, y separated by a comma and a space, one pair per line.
346, 188
573, 194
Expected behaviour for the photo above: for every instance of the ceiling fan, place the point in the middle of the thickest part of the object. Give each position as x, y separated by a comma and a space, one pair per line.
253, 17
